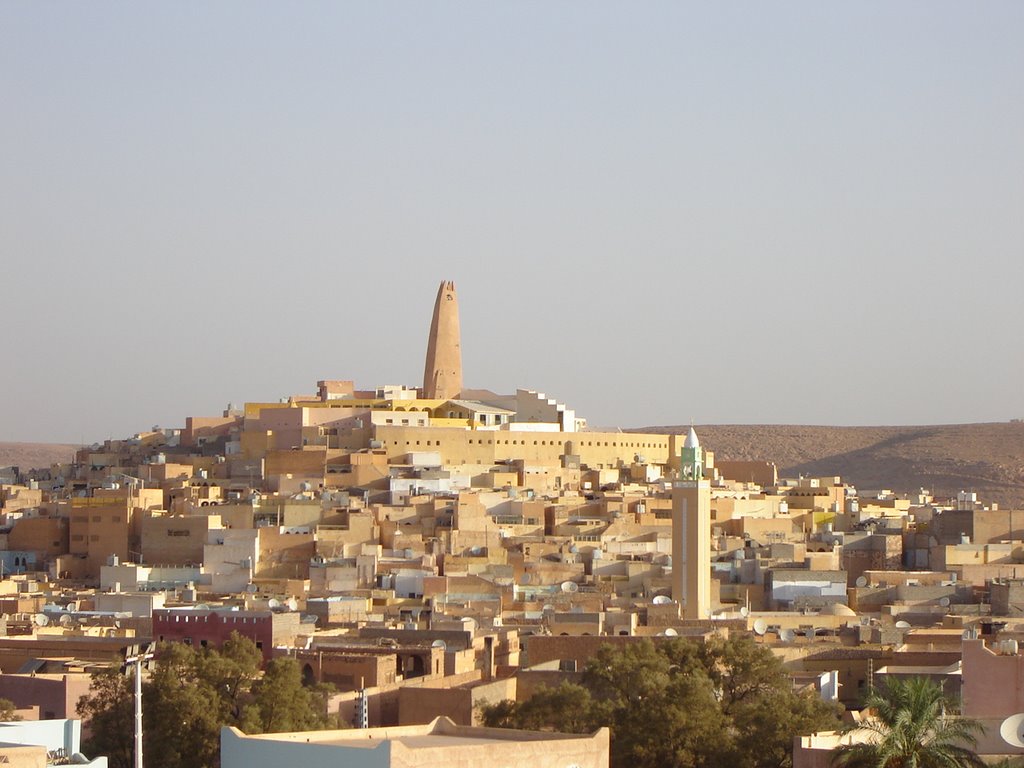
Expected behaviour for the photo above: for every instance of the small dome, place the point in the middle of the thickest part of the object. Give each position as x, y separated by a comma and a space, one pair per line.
837, 609
691, 440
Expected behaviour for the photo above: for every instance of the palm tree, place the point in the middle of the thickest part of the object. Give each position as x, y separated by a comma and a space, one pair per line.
909, 728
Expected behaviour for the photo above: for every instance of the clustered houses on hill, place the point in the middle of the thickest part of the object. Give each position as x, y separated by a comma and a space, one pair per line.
428, 549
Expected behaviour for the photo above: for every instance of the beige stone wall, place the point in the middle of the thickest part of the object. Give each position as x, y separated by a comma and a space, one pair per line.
46, 536
487, 447
176, 540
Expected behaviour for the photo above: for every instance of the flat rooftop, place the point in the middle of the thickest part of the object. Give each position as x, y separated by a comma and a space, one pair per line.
441, 733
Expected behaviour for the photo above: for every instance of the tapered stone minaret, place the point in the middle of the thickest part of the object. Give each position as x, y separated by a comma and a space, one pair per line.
442, 375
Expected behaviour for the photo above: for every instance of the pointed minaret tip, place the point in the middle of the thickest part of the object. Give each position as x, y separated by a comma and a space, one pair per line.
442, 375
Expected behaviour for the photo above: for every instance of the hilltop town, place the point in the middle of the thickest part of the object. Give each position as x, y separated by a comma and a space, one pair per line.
431, 549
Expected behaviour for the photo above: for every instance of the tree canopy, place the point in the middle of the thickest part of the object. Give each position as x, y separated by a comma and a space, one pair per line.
678, 704
190, 695
908, 727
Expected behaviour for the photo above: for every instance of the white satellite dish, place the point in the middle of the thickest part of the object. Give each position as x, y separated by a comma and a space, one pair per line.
760, 626
671, 632
291, 604
787, 635
862, 581
548, 608
570, 586
40, 619
1012, 730
439, 644
273, 604
744, 611
944, 602
65, 620
902, 624
661, 600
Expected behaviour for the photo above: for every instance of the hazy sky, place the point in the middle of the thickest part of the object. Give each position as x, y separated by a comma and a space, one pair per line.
656, 212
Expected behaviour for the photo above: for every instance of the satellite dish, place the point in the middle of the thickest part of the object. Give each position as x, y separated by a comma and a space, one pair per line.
862, 581
525, 578
1012, 646
570, 586
1012, 730
744, 611
671, 632
273, 604
944, 602
902, 624
787, 635
40, 619
662, 600
202, 607
439, 644
65, 620
308, 618
548, 608
291, 604
809, 632
760, 626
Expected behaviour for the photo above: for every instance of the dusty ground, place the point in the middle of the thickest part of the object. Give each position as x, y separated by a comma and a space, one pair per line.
987, 458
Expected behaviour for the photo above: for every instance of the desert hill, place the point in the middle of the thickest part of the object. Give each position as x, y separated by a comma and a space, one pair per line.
987, 458
35, 455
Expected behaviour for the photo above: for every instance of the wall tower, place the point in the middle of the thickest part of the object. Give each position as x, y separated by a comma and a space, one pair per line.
442, 374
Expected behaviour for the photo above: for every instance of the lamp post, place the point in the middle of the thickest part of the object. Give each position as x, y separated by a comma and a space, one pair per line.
143, 654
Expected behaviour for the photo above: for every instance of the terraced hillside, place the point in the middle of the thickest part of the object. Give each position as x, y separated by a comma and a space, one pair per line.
987, 458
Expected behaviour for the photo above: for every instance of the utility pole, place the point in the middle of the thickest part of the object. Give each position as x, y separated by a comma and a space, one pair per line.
143, 654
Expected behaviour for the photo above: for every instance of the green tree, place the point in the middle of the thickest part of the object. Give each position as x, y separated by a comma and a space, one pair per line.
677, 704
281, 703
182, 712
109, 711
909, 728
565, 709
190, 695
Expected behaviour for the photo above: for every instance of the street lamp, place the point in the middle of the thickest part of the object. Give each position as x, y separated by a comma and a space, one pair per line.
145, 653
